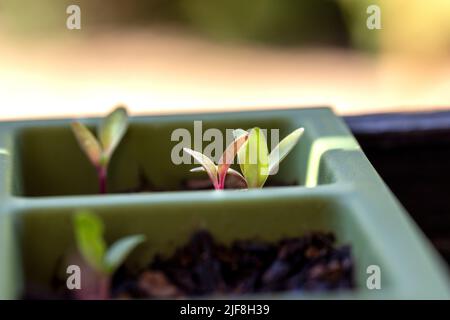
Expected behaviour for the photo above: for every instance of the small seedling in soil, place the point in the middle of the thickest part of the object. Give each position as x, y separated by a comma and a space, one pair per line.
254, 159
102, 261
217, 173
99, 151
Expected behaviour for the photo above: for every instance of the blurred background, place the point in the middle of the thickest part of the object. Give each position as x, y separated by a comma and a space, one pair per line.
166, 56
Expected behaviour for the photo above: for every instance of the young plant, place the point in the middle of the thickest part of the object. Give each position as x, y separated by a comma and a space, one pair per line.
217, 173
99, 151
254, 159
89, 229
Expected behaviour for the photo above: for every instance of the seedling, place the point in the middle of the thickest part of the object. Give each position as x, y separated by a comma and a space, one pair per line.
254, 159
89, 229
99, 151
217, 173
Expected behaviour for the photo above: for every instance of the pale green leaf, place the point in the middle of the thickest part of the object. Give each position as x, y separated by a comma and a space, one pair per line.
241, 152
206, 163
112, 129
254, 159
89, 239
283, 148
198, 169
88, 143
228, 156
119, 251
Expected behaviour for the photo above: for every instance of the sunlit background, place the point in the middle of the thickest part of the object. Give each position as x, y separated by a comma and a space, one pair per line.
161, 56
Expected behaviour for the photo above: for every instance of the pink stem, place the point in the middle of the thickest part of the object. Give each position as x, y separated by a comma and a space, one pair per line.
221, 184
102, 172
103, 288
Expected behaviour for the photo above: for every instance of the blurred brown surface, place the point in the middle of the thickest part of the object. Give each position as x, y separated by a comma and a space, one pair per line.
158, 72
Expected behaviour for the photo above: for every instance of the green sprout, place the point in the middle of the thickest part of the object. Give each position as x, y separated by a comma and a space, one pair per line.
99, 151
89, 229
254, 159
217, 173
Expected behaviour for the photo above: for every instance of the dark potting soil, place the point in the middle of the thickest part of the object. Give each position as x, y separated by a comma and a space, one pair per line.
230, 183
204, 267
193, 184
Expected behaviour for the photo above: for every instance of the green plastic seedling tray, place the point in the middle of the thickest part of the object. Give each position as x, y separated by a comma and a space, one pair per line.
44, 178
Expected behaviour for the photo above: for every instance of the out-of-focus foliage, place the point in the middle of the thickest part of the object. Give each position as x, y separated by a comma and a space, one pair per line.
269, 21
28, 16
49, 16
264, 21
355, 12
412, 26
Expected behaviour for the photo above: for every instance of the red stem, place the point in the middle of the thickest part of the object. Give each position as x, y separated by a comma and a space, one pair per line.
102, 178
221, 185
103, 288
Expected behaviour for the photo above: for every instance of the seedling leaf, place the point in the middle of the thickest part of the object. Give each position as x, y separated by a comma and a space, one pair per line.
236, 174
283, 148
88, 143
228, 156
206, 163
119, 250
89, 239
254, 159
239, 132
198, 169
112, 129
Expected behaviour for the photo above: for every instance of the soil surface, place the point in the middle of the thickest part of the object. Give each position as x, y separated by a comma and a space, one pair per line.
192, 184
205, 267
